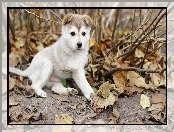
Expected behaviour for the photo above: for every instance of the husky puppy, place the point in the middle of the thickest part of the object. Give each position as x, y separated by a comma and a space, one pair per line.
66, 58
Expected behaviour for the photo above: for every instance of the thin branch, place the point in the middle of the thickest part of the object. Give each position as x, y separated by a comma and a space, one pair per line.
148, 44
147, 28
55, 15
126, 54
140, 17
133, 20
35, 14
129, 36
16, 14
115, 23
12, 29
53, 12
134, 69
118, 44
99, 26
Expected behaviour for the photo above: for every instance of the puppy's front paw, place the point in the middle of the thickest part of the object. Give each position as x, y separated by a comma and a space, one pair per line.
72, 91
88, 94
41, 93
88, 97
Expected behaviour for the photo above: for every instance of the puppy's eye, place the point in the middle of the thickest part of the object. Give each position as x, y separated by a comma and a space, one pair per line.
72, 33
83, 33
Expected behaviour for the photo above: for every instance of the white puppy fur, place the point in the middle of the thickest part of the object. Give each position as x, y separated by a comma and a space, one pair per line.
66, 58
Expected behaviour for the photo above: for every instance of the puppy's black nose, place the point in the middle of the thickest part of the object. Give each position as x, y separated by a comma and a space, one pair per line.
79, 45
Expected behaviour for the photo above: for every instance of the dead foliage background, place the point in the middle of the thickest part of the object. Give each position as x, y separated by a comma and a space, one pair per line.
127, 58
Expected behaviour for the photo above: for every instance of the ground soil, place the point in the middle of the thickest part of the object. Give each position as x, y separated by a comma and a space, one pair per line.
45, 110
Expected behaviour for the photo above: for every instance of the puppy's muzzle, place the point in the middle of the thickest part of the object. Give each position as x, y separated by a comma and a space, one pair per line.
79, 45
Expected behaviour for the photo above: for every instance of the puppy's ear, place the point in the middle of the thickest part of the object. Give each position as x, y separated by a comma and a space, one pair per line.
88, 20
68, 18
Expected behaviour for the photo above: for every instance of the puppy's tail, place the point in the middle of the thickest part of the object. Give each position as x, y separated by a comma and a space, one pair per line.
17, 71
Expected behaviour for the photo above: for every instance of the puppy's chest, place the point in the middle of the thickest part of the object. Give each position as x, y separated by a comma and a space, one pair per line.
63, 68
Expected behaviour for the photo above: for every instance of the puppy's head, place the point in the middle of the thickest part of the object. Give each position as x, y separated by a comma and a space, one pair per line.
76, 30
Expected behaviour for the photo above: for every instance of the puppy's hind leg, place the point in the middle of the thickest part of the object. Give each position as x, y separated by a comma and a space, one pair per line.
45, 69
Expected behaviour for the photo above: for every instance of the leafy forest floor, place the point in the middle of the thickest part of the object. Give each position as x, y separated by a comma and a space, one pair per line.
126, 68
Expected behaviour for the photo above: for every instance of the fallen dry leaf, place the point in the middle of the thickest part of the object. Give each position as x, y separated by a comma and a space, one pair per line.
100, 102
156, 116
112, 119
35, 117
11, 83
158, 80
106, 67
40, 47
156, 110
158, 98
130, 90
104, 89
13, 60
64, 119
85, 117
19, 42
137, 80
15, 114
120, 81
155, 79
92, 42
116, 113
12, 101
139, 53
106, 42
122, 63
24, 89
103, 47
144, 101
114, 116
94, 69
107, 61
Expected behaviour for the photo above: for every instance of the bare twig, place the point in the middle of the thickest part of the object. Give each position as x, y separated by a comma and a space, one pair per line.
99, 26
133, 19
39, 16
147, 28
134, 69
156, 48
132, 34
12, 29
36, 15
16, 14
28, 29
52, 11
140, 17
126, 54
148, 43
115, 23
142, 63
55, 15
118, 44
126, 23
